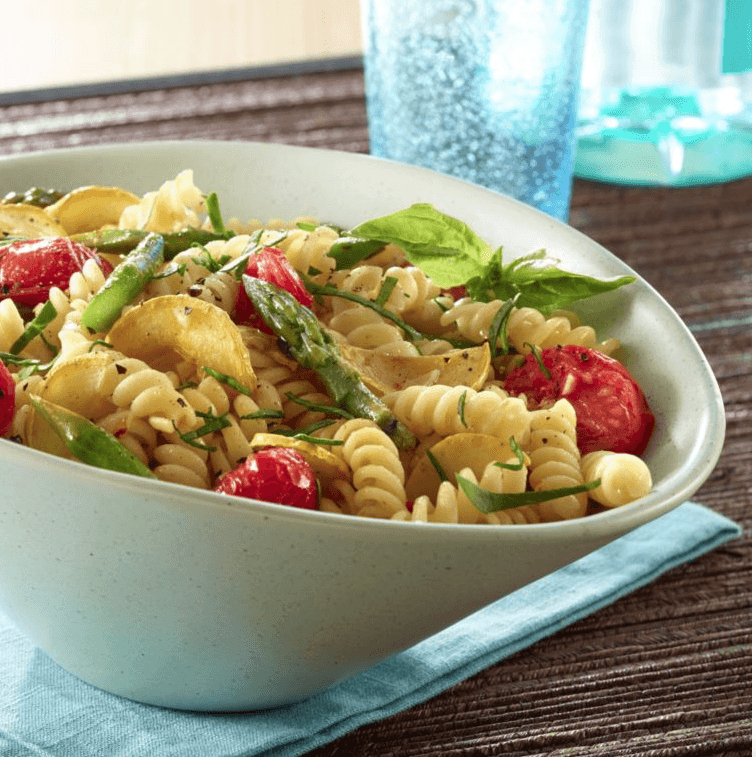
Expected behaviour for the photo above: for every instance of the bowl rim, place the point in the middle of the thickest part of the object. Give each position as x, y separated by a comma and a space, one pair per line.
607, 522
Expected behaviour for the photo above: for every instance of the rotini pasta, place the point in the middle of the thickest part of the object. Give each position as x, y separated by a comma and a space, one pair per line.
441, 410
555, 460
624, 477
176, 205
528, 328
191, 424
377, 471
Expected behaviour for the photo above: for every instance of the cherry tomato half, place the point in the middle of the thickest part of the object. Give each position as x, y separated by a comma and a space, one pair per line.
30, 267
270, 265
277, 475
612, 412
7, 399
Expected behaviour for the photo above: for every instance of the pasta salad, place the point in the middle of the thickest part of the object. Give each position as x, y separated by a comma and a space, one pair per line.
401, 369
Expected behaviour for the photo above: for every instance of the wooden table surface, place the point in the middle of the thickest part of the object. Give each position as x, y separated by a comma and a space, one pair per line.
666, 671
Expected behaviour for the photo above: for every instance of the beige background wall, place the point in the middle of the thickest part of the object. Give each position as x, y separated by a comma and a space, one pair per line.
61, 42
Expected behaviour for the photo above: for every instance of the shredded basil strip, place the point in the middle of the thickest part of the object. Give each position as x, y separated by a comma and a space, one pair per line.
206, 260
331, 291
519, 454
442, 306
306, 431
238, 266
225, 379
212, 423
498, 328
328, 290
317, 440
263, 415
461, 408
537, 355
100, 343
214, 214
170, 270
35, 327
327, 409
387, 287
437, 465
29, 365
491, 502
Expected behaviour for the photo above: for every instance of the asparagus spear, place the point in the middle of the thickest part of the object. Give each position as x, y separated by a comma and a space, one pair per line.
42, 198
87, 442
123, 241
123, 285
313, 348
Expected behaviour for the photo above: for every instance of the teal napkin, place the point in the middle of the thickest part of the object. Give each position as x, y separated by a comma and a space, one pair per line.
46, 711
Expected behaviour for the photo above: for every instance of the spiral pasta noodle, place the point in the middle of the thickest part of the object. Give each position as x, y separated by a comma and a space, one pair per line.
176, 205
438, 409
528, 328
471, 319
365, 328
307, 251
624, 477
377, 471
147, 393
181, 463
555, 460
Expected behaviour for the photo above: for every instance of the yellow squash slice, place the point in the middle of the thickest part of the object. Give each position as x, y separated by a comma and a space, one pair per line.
90, 208
166, 330
21, 220
453, 454
390, 373
75, 385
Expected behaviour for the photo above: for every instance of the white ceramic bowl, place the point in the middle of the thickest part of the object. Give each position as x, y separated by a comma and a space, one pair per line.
194, 600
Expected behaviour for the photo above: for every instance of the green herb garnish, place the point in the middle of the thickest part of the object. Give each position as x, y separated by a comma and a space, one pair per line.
437, 466
225, 379
35, 327
519, 454
451, 254
491, 502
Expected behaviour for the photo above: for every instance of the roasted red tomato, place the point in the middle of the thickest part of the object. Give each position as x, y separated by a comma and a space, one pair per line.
612, 412
277, 474
7, 399
30, 267
456, 292
272, 266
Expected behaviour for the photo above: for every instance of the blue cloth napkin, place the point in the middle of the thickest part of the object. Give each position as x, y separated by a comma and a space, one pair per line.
46, 711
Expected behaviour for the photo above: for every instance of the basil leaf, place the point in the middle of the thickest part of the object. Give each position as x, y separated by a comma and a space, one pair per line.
491, 502
544, 286
264, 415
446, 249
450, 253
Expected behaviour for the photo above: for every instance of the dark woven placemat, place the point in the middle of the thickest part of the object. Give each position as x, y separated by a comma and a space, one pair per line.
663, 672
